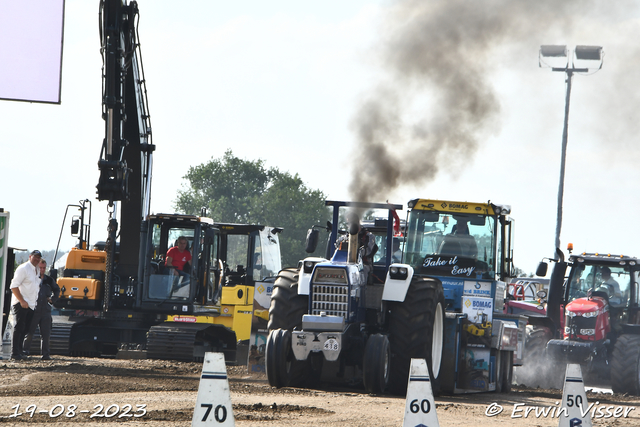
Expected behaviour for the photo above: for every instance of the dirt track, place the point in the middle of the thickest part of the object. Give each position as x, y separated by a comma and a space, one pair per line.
169, 389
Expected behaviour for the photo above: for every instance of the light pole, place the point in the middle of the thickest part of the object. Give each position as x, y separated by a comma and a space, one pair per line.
549, 56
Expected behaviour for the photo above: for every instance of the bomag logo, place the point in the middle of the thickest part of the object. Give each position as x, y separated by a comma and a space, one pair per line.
458, 206
482, 304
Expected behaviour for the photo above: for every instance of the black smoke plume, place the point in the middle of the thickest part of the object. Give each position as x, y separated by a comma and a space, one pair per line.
437, 102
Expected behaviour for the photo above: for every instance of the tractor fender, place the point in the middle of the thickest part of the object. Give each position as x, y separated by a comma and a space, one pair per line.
396, 285
629, 329
306, 271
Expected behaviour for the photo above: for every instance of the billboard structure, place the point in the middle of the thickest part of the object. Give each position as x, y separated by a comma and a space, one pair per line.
31, 36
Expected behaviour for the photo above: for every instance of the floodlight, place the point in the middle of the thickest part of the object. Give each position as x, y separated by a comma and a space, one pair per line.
589, 53
592, 53
553, 50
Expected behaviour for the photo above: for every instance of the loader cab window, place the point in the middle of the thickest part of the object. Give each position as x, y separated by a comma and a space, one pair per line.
237, 259
212, 269
266, 255
451, 244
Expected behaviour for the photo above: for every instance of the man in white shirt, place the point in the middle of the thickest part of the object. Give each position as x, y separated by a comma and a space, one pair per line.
24, 287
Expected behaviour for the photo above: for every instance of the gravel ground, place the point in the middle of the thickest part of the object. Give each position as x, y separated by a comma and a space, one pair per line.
162, 393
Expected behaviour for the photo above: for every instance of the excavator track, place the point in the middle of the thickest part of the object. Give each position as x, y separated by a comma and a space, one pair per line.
60, 337
189, 342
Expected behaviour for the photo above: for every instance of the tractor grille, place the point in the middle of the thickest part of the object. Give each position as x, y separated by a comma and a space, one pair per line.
579, 327
330, 299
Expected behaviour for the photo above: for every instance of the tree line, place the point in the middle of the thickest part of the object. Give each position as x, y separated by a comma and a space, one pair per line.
235, 190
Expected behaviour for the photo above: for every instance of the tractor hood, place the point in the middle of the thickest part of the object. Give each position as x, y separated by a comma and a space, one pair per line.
582, 306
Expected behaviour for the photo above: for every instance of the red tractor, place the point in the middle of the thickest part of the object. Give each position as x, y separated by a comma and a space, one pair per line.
593, 316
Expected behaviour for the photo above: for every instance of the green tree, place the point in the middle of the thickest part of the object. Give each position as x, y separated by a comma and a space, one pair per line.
247, 192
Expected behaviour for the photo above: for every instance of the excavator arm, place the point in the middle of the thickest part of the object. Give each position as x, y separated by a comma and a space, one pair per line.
126, 156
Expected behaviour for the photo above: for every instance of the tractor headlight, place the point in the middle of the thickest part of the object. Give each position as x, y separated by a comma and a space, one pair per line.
398, 273
590, 314
571, 314
308, 266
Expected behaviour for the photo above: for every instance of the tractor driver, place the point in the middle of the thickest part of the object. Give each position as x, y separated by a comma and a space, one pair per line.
178, 256
615, 295
460, 234
367, 247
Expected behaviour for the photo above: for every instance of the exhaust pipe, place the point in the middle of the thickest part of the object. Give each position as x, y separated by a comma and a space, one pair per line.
354, 227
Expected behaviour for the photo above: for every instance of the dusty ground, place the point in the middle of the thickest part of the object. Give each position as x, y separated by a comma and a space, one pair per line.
169, 389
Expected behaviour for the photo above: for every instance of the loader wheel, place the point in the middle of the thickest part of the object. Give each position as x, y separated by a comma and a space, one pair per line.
375, 365
416, 330
287, 307
499, 355
625, 365
283, 370
505, 372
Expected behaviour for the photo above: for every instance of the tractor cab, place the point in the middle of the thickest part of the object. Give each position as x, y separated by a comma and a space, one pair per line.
468, 240
598, 291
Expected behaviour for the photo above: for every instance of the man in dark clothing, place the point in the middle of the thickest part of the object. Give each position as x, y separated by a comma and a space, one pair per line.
48, 294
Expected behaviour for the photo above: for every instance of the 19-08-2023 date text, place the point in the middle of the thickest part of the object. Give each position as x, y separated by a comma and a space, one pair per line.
70, 411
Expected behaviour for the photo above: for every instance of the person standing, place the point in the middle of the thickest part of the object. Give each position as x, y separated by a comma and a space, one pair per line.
24, 288
47, 295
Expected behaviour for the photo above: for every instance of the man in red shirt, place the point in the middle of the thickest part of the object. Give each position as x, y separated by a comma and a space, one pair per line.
178, 256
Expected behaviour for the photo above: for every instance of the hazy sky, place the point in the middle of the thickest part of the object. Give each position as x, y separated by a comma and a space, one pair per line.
393, 99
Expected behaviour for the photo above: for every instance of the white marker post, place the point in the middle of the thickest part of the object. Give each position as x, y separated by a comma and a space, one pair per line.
574, 400
420, 409
213, 405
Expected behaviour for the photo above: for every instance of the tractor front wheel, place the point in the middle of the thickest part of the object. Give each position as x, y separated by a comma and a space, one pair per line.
416, 330
283, 370
375, 365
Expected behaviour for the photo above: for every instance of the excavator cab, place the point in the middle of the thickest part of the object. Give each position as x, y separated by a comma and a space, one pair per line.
193, 277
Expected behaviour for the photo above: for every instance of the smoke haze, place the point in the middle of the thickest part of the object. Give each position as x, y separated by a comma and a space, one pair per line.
437, 104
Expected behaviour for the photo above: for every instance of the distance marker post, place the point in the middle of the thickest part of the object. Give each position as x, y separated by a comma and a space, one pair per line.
213, 405
420, 409
574, 399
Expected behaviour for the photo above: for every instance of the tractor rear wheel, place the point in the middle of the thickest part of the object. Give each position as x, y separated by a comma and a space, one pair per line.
625, 365
375, 364
416, 330
287, 307
285, 313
